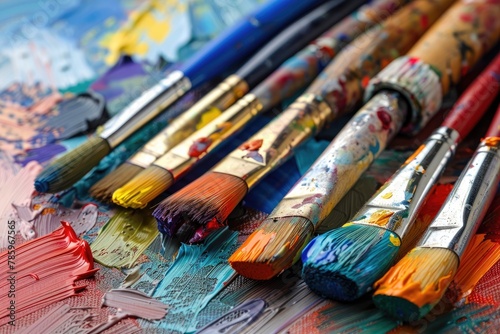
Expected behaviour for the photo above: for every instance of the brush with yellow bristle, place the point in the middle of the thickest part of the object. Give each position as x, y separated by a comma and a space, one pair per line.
412, 287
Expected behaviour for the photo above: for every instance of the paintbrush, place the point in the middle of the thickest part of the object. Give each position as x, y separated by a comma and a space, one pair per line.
295, 73
411, 288
276, 244
378, 230
283, 46
203, 206
332, 261
226, 51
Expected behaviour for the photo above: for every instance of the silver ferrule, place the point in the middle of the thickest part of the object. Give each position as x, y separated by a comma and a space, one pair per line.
466, 205
145, 108
400, 199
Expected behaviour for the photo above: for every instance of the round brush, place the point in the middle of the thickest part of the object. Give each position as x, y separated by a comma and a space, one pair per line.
226, 51
413, 286
297, 72
191, 214
321, 188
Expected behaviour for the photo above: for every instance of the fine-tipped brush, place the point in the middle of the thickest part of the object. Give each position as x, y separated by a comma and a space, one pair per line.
377, 231
297, 72
337, 170
413, 286
347, 70
188, 214
226, 51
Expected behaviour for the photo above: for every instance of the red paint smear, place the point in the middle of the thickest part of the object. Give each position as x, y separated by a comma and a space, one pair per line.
55, 261
199, 147
252, 145
385, 118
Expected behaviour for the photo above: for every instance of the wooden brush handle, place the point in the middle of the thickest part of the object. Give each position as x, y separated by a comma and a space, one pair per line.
494, 129
459, 39
342, 83
474, 102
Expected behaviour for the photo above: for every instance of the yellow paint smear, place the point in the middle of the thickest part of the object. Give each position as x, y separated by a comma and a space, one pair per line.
380, 217
207, 117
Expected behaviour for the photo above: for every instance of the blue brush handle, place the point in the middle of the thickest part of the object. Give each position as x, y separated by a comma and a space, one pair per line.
240, 41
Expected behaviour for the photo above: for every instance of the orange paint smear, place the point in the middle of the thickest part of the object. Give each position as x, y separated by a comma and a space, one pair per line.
491, 141
252, 145
478, 258
44, 271
380, 217
399, 282
411, 157
254, 246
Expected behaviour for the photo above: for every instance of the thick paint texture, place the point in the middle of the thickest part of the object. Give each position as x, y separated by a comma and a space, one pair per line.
124, 238
45, 271
344, 263
135, 303
197, 275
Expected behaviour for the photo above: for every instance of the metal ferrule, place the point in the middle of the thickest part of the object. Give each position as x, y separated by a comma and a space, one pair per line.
299, 121
145, 108
466, 205
220, 98
417, 82
403, 195
178, 160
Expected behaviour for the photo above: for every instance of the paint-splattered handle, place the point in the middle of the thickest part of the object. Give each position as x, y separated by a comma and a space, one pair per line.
275, 143
339, 167
474, 102
299, 70
459, 39
440, 59
342, 83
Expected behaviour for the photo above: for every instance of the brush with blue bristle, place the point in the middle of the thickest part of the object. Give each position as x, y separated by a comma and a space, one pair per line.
343, 264
411, 288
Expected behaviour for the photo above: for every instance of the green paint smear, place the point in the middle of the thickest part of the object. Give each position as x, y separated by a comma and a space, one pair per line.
196, 277
81, 87
124, 238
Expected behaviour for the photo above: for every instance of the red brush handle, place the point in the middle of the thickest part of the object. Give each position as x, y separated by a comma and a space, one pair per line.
474, 102
494, 129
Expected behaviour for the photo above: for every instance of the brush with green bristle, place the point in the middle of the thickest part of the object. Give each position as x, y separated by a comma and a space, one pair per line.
410, 289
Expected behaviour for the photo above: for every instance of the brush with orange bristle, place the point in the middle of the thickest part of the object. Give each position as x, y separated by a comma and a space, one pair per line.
412, 287
390, 213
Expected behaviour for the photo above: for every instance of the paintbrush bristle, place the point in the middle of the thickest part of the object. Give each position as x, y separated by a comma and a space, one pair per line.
72, 166
103, 189
272, 248
344, 263
201, 207
143, 188
411, 288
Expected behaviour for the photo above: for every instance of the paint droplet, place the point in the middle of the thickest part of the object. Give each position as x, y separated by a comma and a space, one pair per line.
252, 145
394, 240
387, 195
199, 147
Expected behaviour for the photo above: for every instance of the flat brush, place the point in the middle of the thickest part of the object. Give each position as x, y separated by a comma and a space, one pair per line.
226, 51
386, 220
191, 213
283, 46
295, 73
291, 224
332, 261
413, 286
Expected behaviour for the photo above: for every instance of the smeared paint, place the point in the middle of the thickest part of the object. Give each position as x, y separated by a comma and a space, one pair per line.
135, 304
124, 238
199, 147
197, 275
16, 187
252, 145
207, 117
344, 263
60, 319
237, 318
405, 282
45, 270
